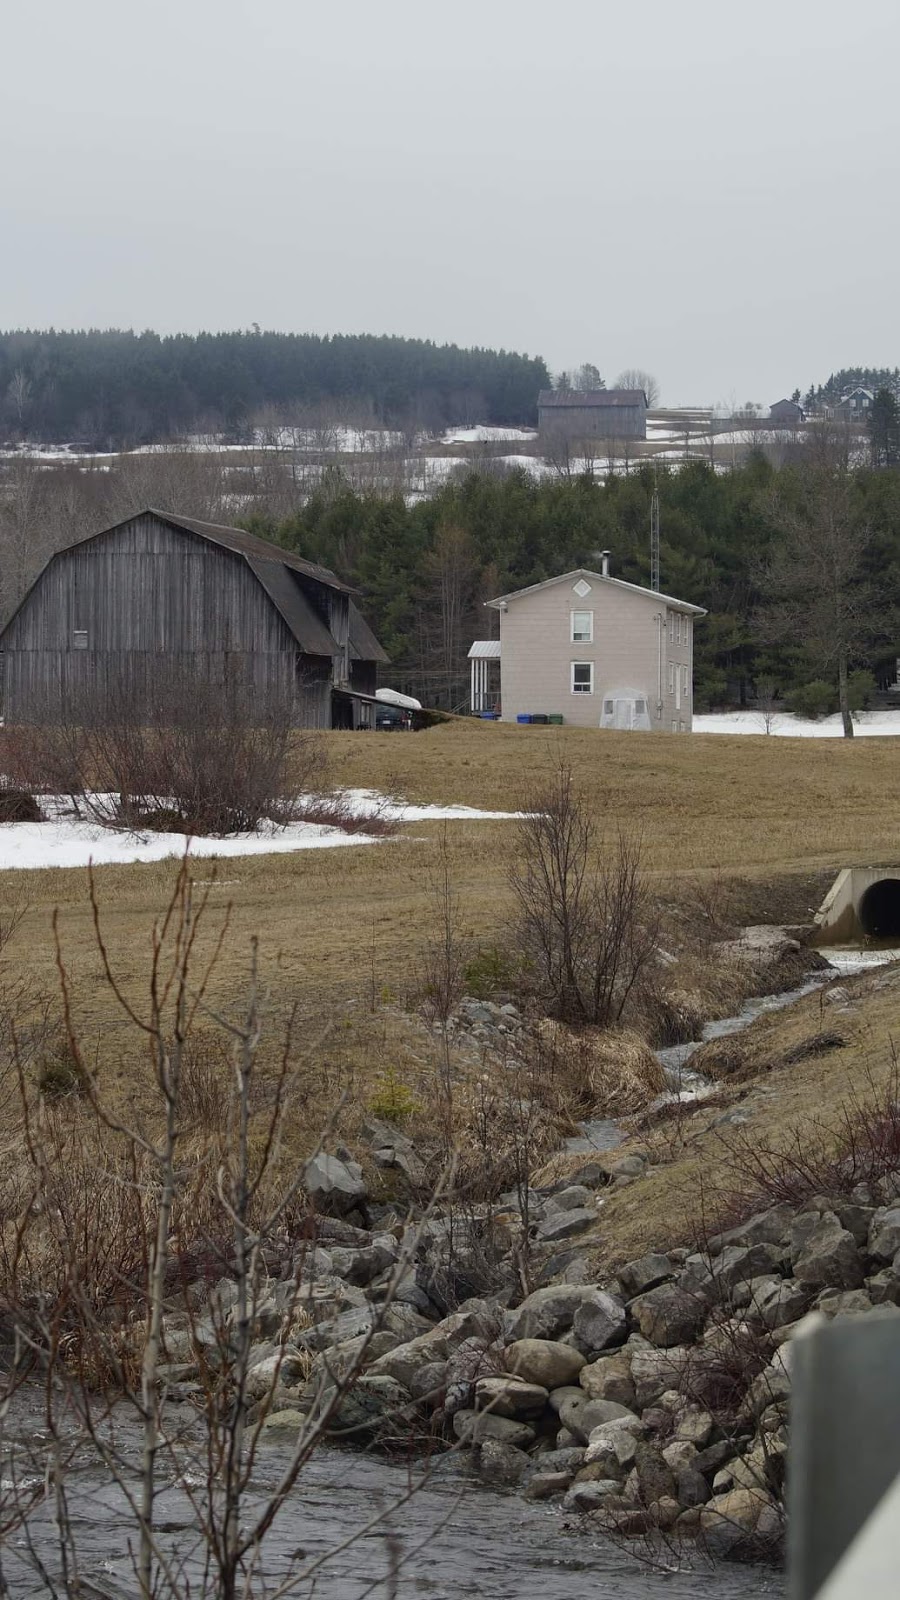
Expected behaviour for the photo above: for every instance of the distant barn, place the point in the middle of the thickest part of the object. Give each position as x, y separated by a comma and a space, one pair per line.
162, 596
574, 414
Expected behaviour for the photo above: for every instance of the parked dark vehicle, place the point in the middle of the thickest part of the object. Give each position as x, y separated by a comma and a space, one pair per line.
393, 719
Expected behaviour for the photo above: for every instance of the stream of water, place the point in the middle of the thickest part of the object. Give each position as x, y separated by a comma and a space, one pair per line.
604, 1133
451, 1538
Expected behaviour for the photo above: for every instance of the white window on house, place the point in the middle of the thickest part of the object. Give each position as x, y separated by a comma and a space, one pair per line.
687, 630
582, 677
671, 677
582, 627
79, 639
671, 627
684, 680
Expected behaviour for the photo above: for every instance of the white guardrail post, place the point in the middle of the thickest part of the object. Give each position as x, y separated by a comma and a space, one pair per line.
844, 1473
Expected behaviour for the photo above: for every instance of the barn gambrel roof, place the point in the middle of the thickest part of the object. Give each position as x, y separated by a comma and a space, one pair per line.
273, 567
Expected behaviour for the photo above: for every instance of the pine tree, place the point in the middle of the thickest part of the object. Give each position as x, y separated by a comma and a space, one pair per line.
884, 430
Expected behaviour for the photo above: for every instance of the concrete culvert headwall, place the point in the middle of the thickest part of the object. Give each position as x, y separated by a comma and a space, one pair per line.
862, 903
879, 909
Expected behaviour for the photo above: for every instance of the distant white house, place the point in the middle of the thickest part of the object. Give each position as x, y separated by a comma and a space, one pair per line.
589, 650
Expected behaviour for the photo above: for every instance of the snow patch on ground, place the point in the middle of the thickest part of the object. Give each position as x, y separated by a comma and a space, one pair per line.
866, 724
481, 434
65, 840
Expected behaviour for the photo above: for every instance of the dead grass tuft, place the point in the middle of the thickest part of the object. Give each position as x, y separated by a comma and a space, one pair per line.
602, 1072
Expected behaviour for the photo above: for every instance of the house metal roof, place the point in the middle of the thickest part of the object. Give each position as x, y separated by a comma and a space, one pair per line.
598, 577
485, 649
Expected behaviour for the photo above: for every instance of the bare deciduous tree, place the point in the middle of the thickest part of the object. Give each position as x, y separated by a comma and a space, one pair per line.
586, 918
637, 378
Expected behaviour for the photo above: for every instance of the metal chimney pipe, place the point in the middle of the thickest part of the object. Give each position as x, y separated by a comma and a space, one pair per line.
604, 563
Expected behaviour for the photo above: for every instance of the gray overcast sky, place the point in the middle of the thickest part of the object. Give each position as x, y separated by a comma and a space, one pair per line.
706, 189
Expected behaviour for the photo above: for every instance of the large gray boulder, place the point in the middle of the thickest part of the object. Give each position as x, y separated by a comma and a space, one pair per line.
334, 1186
545, 1484
884, 1233
740, 1524
655, 1371
669, 1315
502, 1462
507, 1396
375, 1406
475, 1427
581, 1415
565, 1224
824, 1254
779, 1301
544, 1361
612, 1450
362, 1265
766, 1227
740, 1264
545, 1313
636, 1277
591, 1495
576, 1197
599, 1323
609, 1379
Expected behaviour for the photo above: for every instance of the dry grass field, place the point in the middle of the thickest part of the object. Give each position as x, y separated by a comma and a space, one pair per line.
759, 810
341, 932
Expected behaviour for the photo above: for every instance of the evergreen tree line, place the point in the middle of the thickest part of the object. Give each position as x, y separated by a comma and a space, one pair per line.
112, 388
746, 545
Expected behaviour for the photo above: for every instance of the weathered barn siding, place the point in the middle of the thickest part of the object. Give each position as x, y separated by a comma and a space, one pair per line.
573, 415
152, 599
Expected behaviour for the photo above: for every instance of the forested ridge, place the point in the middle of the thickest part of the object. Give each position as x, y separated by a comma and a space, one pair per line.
111, 388
424, 571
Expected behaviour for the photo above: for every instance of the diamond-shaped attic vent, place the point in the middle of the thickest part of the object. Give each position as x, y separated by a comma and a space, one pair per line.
581, 588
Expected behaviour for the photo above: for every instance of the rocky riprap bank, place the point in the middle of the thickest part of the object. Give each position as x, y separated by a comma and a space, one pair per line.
654, 1400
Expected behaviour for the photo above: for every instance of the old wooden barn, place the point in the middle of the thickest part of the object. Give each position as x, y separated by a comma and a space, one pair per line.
576, 414
162, 595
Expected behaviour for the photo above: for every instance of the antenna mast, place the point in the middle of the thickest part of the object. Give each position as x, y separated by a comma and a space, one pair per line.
654, 541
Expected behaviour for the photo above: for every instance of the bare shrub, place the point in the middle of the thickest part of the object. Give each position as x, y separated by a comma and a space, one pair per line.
18, 805
179, 756
586, 920
820, 1158
335, 810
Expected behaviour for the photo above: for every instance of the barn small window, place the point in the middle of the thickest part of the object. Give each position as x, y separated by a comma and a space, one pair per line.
79, 639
